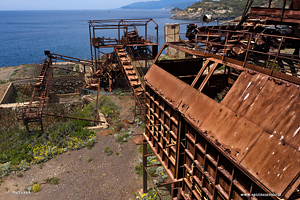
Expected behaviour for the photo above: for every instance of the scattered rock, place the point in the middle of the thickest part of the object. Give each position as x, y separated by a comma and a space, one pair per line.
138, 139
107, 132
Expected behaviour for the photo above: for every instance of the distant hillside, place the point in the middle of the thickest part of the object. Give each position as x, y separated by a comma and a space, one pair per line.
221, 10
167, 4
175, 10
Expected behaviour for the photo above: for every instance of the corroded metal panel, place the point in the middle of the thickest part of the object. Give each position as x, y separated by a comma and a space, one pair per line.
168, 86
195, 106
272, 104
227, 143
272, 163
235, 134
243, 93
288, 129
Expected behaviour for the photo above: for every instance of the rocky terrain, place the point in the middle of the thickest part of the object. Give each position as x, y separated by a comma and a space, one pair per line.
175, 10
220, 10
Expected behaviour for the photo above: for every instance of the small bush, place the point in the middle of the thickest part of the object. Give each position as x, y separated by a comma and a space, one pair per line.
152, 194
90, 159
124, 137
4, 169
36, 187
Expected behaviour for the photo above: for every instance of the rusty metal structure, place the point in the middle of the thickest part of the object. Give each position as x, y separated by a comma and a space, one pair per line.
224, 120
34, 111
139, 46
127, 48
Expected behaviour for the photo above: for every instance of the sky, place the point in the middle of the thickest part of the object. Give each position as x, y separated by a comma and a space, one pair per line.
63, 4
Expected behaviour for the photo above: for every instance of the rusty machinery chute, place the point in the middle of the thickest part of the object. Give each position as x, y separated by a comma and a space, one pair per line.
223, 119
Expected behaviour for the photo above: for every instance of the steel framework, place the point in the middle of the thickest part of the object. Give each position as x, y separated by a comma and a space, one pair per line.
224, 120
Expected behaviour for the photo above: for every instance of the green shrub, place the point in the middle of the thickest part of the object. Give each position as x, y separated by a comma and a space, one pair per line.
108, 107
151, 195
123, 137
5, 169
36, 187
19, 148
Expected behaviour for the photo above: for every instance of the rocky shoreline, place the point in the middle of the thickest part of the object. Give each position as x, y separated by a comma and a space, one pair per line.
197, 16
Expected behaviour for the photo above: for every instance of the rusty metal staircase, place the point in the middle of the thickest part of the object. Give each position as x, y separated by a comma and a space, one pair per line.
134, 81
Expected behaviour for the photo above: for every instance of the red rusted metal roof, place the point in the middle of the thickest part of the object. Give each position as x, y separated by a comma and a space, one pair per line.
257, 122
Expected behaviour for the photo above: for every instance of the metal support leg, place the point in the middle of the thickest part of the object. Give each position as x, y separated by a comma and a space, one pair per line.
144, 153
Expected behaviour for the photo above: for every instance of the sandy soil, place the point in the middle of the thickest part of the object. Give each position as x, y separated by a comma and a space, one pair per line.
5, 72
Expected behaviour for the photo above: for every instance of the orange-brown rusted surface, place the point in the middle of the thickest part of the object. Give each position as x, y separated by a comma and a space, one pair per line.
254, 129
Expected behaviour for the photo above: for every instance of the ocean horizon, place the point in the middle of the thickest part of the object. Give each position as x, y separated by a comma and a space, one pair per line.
26, 34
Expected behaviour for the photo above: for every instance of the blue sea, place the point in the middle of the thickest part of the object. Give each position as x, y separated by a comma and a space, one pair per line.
24, 35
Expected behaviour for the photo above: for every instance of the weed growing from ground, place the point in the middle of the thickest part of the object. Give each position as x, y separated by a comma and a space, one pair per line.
123, 137
108, 151
53, 180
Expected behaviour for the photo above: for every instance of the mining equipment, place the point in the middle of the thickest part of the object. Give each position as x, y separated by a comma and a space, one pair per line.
223, 120
128, 47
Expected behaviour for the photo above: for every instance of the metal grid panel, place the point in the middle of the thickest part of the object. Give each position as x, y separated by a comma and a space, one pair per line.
162, 130
208, 174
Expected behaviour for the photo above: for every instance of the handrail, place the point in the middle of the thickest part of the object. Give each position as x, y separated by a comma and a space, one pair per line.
138, 71
250, 37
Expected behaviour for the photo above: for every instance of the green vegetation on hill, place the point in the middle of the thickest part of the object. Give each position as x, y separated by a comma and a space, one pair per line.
234, 7
222, 9
19, 149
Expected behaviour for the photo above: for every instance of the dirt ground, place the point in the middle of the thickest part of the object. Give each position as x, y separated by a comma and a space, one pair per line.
3, 88
18, 72
105, 177
5, 72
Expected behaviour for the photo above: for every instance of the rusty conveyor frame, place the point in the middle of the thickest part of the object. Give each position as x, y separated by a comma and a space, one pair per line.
42, 90
96, 43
